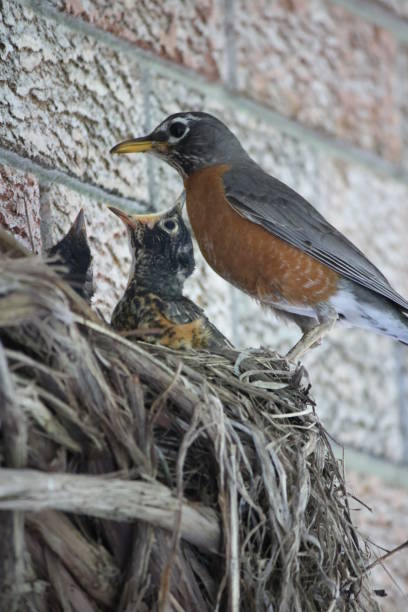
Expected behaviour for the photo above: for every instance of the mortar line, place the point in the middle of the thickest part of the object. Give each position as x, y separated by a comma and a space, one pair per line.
315, 139
393, 474
379, 15
48, 175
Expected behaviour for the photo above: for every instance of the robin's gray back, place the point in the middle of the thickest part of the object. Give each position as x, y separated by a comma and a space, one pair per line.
265, 200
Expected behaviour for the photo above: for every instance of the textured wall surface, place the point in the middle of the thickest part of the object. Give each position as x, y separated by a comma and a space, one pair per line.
77, 76
317, 92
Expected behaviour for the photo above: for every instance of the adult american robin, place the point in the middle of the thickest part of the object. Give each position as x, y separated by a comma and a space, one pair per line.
267, 240
72, 252
162, 259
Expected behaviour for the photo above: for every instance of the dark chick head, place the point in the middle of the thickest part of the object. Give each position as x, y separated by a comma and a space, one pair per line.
188, 142
74, 254
161, 249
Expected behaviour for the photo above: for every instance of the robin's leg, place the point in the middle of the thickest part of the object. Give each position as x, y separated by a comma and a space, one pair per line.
327, 317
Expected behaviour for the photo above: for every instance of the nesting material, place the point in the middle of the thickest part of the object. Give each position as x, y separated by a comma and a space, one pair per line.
139, 478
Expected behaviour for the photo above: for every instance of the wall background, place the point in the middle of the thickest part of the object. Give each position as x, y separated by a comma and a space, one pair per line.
316, 90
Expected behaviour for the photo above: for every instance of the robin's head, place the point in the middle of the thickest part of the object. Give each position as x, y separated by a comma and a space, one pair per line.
73, 252
161, 249
188, 141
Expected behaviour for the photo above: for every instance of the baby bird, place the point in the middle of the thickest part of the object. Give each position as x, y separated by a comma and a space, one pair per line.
74, 254
162, 259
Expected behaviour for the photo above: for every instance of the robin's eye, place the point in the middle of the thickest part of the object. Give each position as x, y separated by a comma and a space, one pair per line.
177, 129
170, 226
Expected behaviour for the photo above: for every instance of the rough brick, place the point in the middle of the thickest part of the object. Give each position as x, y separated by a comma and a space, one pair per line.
189, 33
67, 99
20, 206
371, 211
322, 65
107, 239
399, 7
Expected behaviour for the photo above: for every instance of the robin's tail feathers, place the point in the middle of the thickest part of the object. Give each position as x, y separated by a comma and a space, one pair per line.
370, 311
390, 321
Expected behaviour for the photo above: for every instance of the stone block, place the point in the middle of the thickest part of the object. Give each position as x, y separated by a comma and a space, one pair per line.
67, 99
20, 206
324, 66
188, 33
399, 7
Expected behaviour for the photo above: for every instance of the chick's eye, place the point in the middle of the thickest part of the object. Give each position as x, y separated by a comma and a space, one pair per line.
177, 129
170, 225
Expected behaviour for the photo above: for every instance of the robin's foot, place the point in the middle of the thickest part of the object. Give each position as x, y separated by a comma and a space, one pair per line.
313, 337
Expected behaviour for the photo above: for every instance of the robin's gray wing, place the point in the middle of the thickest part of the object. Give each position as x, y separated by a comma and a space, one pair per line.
266, 201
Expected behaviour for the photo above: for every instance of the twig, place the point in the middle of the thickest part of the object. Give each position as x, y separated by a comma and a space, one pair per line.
114, 499
14, 433
387, 555
188, 439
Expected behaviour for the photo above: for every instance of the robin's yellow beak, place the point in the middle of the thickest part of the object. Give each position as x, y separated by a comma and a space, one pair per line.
133, 145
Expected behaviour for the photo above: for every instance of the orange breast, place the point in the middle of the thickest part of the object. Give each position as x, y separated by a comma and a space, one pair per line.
246, 254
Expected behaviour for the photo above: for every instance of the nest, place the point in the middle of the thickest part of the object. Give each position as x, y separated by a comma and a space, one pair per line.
139, 478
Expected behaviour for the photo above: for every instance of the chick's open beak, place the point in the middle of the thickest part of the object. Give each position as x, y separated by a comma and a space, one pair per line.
134, 220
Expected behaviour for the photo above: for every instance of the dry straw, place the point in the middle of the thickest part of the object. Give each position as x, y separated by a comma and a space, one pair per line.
139, 478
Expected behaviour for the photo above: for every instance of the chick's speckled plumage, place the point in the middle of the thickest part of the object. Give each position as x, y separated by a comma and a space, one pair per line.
153, 303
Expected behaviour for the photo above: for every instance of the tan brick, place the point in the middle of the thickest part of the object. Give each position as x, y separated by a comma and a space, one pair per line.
20, 206
189, 33
67, 99
323, 66
107, 239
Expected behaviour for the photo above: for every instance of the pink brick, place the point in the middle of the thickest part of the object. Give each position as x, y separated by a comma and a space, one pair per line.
323, 66
189, 33
20, 206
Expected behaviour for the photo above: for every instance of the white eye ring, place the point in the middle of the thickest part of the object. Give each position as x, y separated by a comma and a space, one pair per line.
170, 226
173, 138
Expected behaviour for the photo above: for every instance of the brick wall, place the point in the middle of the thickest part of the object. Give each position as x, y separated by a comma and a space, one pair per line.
315, 89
